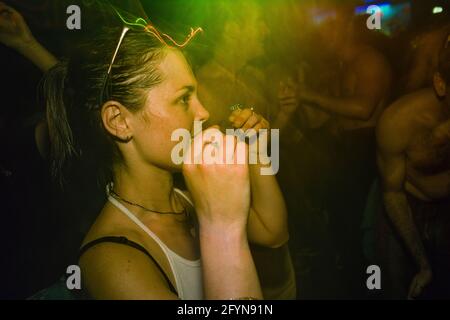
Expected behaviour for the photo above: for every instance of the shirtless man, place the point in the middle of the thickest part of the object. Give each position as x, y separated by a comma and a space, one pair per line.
425, 55
414, 161
364, 77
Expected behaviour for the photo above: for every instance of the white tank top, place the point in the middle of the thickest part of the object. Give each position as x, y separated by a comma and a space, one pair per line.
187, 273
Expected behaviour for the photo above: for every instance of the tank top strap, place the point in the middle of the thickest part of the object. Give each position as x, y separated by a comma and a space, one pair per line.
133, 218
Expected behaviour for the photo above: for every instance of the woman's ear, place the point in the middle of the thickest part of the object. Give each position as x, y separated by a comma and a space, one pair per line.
439, 85
116, 120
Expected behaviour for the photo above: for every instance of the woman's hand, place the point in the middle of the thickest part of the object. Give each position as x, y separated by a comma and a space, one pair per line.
248, 119
14, 31
221, 192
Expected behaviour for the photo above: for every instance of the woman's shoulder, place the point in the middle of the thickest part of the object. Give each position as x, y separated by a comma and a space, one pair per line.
110, 247
113, 232
108, 224
116, 256
113, 235
114, 271
103, 243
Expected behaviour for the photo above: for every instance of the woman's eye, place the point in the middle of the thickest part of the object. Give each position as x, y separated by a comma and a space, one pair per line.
185, 99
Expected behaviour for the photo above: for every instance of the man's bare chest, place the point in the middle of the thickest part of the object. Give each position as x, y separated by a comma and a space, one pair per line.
429, 153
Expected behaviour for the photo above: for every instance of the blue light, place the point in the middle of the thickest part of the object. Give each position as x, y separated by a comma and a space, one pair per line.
395, 17
385, 7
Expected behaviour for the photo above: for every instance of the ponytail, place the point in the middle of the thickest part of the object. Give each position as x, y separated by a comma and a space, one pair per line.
61, 137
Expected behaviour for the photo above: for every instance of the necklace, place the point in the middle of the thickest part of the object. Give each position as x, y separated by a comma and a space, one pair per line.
117, 197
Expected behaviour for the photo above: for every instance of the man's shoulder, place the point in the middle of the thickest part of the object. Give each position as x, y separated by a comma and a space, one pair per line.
402, 118
370, 57
412, 104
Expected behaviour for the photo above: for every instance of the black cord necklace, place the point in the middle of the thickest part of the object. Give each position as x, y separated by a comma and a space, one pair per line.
117, 197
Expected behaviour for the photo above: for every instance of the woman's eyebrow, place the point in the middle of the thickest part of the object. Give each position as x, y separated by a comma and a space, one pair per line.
188, 88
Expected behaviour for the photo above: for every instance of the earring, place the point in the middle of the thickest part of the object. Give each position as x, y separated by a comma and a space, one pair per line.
126, 139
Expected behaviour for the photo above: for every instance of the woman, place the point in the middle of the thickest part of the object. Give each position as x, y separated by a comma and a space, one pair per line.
81, 126
143, 245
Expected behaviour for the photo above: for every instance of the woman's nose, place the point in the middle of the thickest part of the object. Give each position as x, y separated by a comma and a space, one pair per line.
201, 114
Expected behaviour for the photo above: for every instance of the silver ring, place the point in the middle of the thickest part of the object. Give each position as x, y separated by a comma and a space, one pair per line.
235, 107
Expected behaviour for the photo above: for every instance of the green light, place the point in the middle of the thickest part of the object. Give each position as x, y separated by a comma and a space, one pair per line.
148, 27
139, 22
437, 10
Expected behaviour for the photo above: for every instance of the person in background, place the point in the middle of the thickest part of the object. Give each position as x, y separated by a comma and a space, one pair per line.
353, 96
425, 49
413, 137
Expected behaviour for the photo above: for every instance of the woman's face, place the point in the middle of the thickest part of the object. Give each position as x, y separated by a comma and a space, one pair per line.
171, 105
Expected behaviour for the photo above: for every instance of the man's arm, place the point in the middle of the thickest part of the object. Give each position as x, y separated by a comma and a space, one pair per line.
392, 166
14, 33
38, 55
437, 186
372, 78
